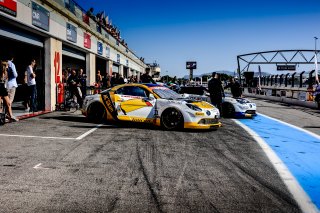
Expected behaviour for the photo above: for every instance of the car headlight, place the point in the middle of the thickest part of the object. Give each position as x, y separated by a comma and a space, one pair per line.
243, 106
194, 107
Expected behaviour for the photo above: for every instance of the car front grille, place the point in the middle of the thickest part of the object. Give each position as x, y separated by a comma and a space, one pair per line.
252, 112
208, 121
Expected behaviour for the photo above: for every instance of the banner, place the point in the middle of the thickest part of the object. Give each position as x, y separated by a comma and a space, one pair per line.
100, 48
9, 7
87, 40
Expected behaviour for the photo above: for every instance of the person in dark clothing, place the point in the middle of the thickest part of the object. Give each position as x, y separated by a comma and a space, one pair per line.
82, 79
73, 83
235, 87
146, 78
216, 90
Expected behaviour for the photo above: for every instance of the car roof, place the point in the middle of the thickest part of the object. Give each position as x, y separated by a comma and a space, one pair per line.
147, 85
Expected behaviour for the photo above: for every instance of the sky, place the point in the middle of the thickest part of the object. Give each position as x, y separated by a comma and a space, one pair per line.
213, 33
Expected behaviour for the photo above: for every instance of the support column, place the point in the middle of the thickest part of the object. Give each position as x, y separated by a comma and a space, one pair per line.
91, 68
53, 67
121, 69
109, 67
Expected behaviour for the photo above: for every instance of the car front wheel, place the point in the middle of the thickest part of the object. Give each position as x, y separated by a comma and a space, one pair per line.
96, 113
172, 119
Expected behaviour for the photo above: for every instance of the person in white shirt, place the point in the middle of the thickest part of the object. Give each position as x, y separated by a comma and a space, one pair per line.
12, 79
31, 81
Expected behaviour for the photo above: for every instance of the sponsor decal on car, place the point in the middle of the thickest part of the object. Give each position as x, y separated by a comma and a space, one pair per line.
109, 105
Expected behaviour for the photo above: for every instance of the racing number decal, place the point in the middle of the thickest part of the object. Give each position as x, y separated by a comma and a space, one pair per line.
109, 105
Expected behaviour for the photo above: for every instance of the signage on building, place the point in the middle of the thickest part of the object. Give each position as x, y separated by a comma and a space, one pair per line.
87, 40
191, 65
286, 67
40, 16
118, 58
127, 63
9, 7
108, 51
100, 48
71, 33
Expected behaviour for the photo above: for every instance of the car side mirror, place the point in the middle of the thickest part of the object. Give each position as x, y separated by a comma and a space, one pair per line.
151, 97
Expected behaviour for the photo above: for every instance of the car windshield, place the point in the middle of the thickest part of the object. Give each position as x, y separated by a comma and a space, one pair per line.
166, 93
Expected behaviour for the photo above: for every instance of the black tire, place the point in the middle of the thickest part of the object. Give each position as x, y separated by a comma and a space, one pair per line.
96, 113
172, 119
228, 110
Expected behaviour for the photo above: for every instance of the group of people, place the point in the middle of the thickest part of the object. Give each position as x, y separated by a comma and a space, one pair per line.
216, 90
8, 86
104, 23
75, 83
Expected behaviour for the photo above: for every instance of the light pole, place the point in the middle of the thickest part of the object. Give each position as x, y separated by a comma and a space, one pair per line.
167, 76
316, 60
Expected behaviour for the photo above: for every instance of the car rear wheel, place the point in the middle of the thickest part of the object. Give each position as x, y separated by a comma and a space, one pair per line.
228, 110
172, 119
96, 113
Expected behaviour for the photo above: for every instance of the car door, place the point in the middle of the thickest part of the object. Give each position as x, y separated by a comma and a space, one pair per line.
134, 104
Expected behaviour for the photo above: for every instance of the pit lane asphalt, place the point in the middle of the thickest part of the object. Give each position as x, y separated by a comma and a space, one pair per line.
134, 169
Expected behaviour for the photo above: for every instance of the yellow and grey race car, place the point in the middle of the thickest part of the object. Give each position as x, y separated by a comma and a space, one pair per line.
150, 103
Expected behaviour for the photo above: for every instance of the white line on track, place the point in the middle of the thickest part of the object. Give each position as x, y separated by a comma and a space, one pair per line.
88, 132
294, 187
38, 166
32, 136
58, 138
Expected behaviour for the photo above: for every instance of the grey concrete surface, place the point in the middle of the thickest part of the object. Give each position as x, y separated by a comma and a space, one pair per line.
134, 168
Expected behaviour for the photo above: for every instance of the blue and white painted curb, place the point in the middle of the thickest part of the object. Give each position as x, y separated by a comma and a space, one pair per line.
295, 154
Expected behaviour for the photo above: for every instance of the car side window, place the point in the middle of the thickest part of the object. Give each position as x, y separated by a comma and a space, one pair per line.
132, 91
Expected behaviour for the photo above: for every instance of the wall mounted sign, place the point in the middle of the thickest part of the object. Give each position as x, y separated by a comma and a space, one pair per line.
71, 33
87, 40
108, 51
191, 65
100, 48
286, 67
9, 7
40, 16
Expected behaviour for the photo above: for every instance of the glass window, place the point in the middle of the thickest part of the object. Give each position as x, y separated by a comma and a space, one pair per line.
132, 91
69, 4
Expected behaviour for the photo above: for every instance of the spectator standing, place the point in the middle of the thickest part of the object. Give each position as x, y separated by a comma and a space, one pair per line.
3, 89
31, 78
12, 79
120, 79
113, 80
106, 81
73, 83
82, 78
216, 90
235, 87
146, 78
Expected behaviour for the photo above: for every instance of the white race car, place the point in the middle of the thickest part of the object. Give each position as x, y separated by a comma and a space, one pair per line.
150, 103
238, 107
231, 107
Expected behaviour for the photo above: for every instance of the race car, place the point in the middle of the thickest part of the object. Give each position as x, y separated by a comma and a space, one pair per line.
150, 103
231, 107
238, 107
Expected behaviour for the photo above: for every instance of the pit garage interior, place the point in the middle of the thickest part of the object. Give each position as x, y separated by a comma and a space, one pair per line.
24, 46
